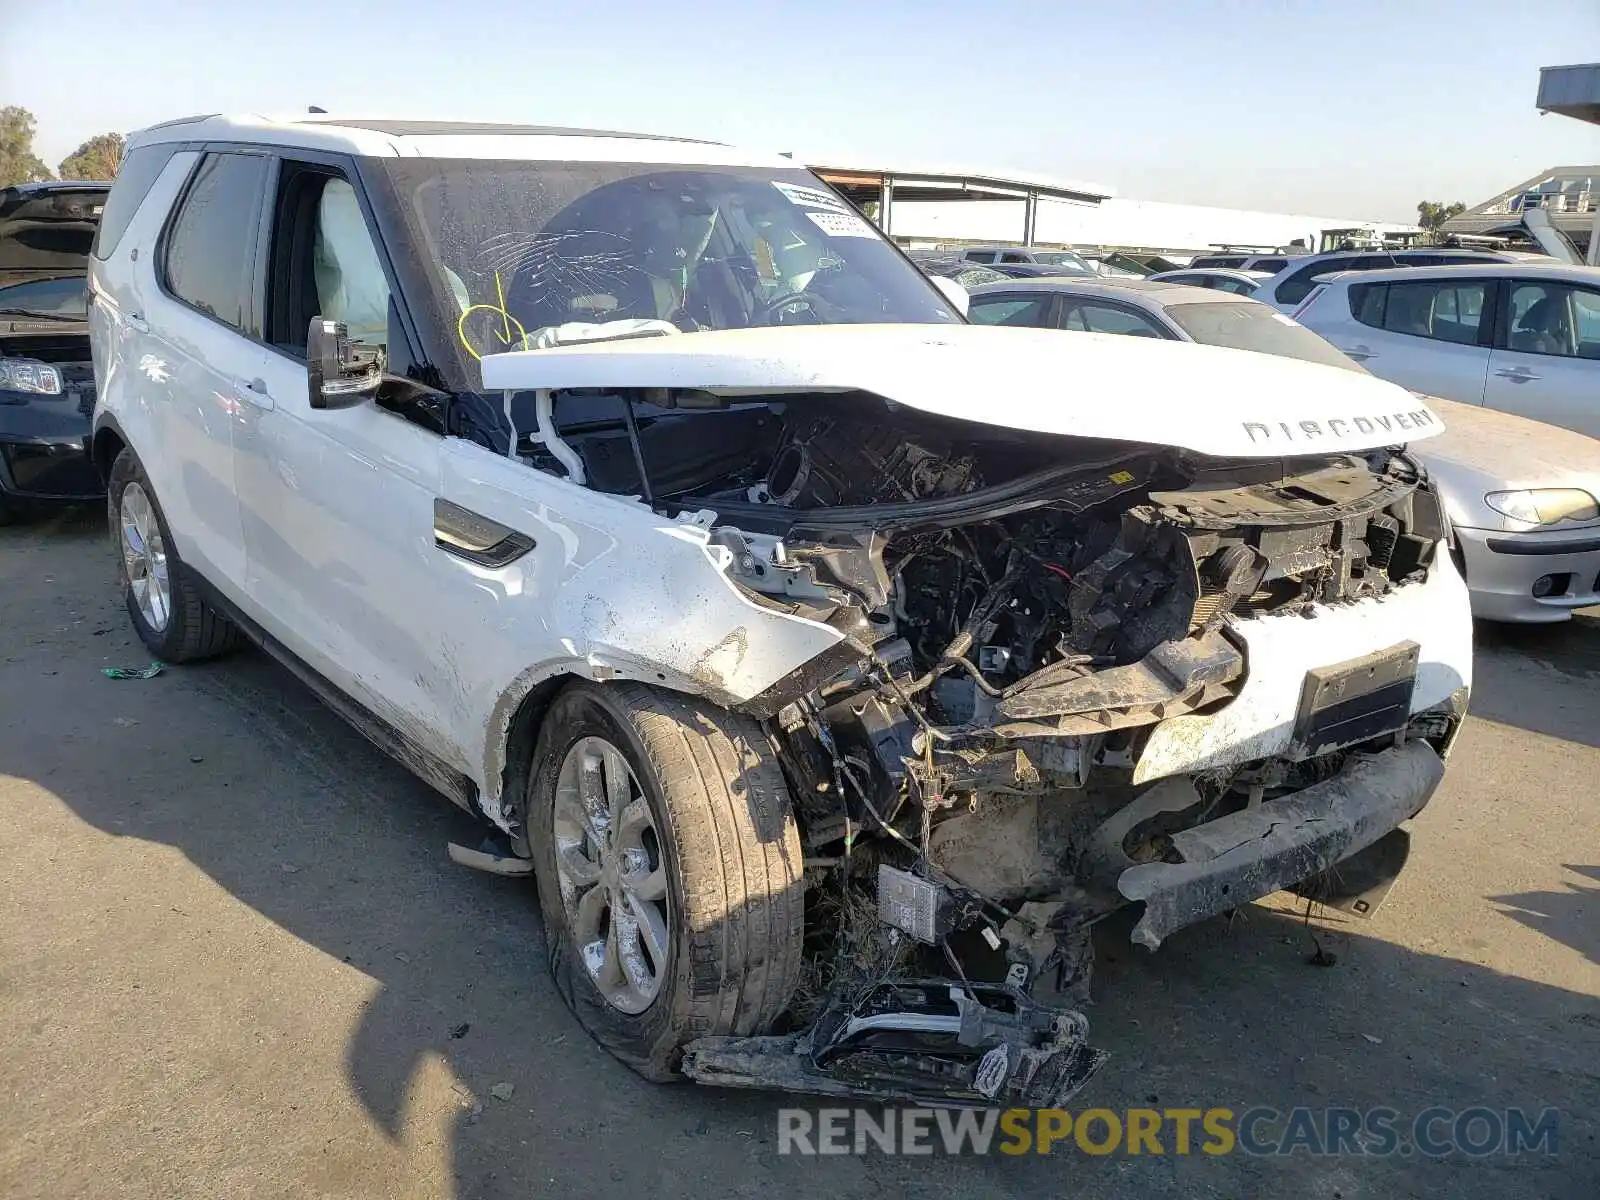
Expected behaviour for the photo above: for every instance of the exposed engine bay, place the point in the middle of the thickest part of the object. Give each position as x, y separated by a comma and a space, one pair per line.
1020, 615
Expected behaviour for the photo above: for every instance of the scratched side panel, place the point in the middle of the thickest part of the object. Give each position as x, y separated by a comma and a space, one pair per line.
610, 590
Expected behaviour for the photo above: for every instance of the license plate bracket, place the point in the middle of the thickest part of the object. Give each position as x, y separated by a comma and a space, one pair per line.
1355, 701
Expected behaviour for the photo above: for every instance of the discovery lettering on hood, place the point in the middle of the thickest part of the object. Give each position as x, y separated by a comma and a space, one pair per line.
1341, 427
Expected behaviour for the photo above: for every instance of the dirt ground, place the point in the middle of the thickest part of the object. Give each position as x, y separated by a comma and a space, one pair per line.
234, 961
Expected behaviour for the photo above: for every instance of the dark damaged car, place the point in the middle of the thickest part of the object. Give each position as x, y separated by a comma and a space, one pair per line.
46, 381
834, 665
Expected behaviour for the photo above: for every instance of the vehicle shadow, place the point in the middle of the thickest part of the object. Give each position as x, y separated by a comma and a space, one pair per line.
1514, 667
238, 767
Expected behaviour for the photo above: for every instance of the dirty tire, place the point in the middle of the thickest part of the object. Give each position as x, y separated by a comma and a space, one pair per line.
731, 853
194, 630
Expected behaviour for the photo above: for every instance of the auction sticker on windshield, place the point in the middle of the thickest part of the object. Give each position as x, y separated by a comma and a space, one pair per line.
810, 197
838, 224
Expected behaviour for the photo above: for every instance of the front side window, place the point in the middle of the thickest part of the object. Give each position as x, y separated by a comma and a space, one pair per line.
1246, 325
1270, 264
543, 250
1554, 318
210, 248
1104, 318
980, 256
1009, 310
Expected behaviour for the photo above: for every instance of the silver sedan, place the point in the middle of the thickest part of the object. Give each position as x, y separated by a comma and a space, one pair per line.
1520, 494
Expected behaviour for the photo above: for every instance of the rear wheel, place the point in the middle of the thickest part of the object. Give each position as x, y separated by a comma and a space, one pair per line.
669, 870
168, 612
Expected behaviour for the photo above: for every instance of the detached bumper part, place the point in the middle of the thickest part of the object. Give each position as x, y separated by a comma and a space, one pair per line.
1246, 855
930, 1042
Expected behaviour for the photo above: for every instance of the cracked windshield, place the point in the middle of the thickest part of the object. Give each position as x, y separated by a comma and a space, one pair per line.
537, 254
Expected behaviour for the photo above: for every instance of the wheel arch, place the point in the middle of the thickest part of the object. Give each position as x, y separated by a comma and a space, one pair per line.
519, 714
106, 443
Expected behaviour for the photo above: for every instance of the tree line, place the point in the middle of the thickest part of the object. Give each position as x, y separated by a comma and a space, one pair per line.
97, 158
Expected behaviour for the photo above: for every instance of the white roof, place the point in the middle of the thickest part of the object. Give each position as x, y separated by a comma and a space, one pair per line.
1531, 267
400, 138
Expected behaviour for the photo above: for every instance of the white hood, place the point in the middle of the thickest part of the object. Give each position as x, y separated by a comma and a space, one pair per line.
1201, 398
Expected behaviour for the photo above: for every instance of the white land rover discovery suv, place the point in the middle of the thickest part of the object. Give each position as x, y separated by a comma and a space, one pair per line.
833, 664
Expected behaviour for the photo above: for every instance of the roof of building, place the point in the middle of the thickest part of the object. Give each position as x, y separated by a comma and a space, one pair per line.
1569, 194
1572, 91
945, 182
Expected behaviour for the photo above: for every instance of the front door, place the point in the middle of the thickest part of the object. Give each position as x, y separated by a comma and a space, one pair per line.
1546, 360
337, 504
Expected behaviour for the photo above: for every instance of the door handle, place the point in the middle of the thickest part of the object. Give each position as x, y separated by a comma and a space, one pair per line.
138, 323
255, 392
1517, 374
1359, 353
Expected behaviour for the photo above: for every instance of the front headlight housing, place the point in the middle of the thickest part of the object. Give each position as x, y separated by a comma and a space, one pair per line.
1545, 506
25, 375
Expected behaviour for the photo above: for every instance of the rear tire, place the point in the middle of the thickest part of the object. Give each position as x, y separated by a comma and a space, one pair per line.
722, 836
182, 627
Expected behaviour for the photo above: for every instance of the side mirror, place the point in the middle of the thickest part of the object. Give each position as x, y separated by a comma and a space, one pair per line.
953, 292
341, 374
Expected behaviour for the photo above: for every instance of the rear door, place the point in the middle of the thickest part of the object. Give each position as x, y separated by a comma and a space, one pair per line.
1430, 335
191, 321
1546, 358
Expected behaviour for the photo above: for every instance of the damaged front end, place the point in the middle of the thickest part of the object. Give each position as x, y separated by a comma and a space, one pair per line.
970, 768
1065, 673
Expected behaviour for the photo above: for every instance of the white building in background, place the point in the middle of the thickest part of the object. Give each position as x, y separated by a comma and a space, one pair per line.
1171, 230
953, 206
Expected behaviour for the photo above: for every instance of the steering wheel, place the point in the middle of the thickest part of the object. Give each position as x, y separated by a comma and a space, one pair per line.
767, 313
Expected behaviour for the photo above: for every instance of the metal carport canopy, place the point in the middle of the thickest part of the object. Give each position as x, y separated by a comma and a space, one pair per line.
885, 185
1574, 91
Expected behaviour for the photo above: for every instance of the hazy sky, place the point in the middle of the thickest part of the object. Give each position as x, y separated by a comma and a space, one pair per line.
1338, 107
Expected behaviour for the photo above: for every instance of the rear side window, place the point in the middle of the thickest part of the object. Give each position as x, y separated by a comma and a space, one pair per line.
211, 244
1010, 310
137, 175
1012, 256
1444, 310
1105, 318
980, 256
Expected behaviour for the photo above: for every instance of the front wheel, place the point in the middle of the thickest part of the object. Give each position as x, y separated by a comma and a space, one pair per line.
169, 614
669, 868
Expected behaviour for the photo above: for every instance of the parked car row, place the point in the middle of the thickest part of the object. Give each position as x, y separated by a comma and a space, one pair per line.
643, 499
